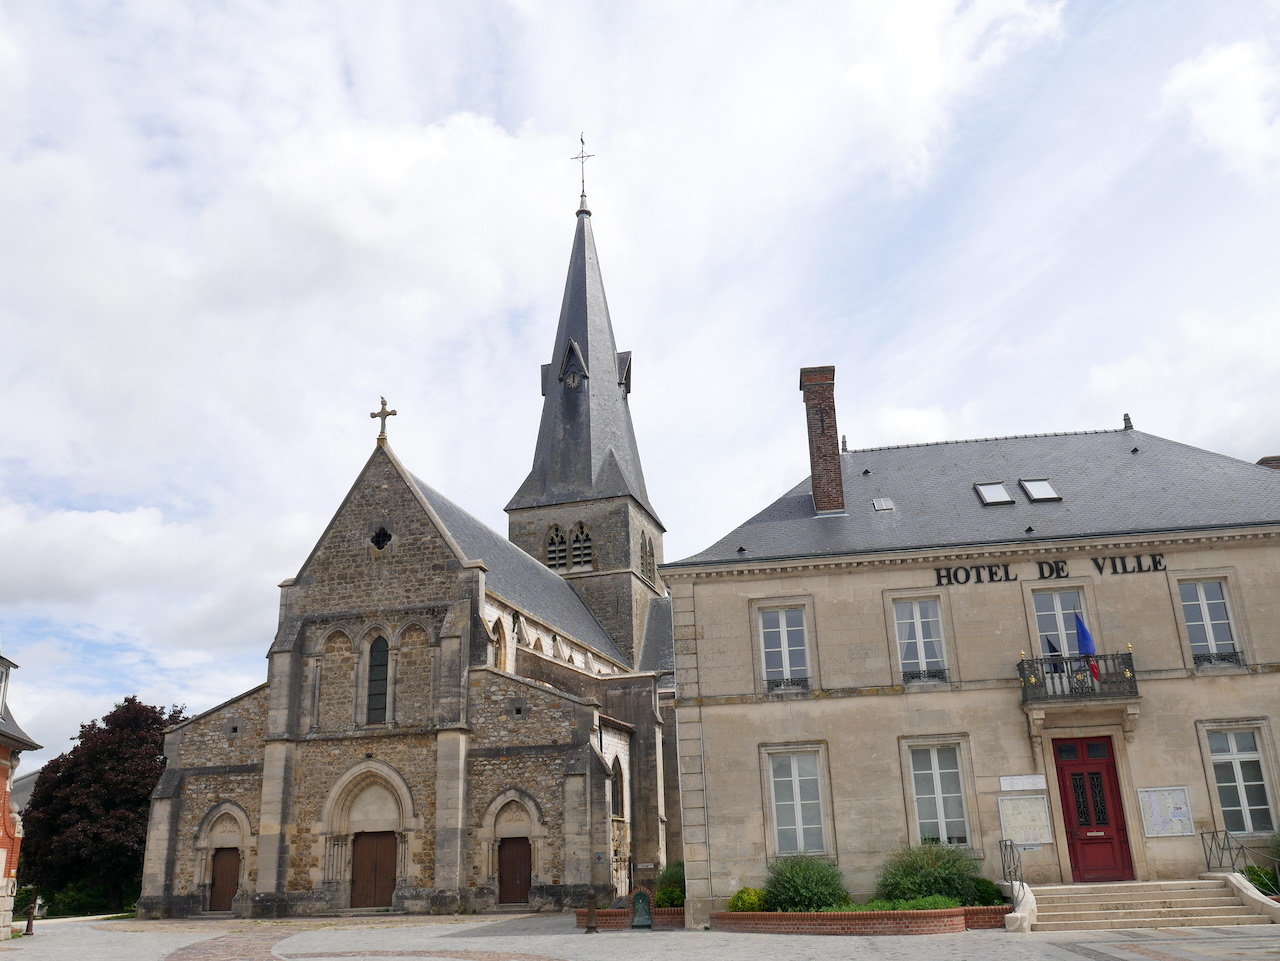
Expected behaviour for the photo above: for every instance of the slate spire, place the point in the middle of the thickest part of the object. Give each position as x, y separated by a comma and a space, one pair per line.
586, 444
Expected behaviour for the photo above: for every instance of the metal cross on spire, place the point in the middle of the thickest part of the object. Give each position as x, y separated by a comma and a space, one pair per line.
384, 414
582, 159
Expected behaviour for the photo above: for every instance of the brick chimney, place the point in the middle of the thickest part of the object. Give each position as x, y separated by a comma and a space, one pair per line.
818, 385
1271, 460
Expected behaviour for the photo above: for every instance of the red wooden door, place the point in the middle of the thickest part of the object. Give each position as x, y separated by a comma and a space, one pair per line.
515, 870
1097, 840
373, 869
226, 878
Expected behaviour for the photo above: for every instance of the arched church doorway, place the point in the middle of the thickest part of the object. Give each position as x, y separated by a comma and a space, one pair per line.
224, 838
373, 815
226, 878
515, 853
373, 869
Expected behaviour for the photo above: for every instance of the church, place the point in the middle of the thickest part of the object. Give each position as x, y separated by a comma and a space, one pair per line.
452, 720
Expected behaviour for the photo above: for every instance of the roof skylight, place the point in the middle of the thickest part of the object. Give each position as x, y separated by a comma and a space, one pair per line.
882, 503
1040, 490
993, 493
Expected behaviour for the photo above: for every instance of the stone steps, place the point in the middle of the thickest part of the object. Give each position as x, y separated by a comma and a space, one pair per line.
1139, 904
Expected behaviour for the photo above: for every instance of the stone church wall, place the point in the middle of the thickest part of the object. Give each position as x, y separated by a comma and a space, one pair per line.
318, 767
347, 572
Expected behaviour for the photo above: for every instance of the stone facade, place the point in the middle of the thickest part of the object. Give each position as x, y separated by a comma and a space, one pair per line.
982, 745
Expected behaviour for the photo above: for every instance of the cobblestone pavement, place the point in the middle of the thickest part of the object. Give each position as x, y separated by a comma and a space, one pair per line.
554, 938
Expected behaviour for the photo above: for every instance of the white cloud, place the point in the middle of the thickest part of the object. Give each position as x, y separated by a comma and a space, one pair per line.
1231, 96
229, 229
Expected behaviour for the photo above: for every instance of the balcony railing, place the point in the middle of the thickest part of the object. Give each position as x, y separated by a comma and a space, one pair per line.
780, 684
1217, 657
932, 674
1073, 678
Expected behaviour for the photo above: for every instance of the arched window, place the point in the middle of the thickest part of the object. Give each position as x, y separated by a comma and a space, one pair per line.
581, 547
616, 795
647, 566
377, 704
557, 549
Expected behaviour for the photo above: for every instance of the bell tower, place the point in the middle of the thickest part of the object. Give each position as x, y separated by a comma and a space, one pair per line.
583, 510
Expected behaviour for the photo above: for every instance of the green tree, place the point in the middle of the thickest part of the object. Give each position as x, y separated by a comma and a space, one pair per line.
86, 822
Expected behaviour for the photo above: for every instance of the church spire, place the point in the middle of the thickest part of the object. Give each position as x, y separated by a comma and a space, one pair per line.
586, 443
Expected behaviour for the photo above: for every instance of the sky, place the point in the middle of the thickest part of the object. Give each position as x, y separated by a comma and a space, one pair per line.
228, 228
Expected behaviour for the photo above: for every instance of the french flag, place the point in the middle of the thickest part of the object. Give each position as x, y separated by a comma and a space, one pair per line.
1084, 643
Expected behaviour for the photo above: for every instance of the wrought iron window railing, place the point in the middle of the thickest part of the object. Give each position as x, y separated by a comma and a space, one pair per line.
1224, 851
786, 684
933, 674
1217, 657
1069, 678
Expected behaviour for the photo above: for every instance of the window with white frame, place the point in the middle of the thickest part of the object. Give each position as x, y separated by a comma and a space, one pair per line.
919, 627
797, 803
784, 647
939, 794
1204, 611
1056, 621
1242, 786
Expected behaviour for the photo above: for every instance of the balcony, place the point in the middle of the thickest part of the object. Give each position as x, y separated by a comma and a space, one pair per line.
1072, 678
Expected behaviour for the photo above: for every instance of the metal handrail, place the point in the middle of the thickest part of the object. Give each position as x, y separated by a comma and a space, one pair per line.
1011, 869
1223, 851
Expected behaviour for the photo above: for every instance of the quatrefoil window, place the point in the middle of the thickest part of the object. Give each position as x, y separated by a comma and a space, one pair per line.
380, 539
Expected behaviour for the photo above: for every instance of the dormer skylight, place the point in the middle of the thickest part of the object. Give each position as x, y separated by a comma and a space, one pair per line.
1040, 490
882, 503
993, 493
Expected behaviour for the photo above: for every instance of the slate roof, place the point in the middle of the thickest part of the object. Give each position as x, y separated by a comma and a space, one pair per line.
586, 446
657, 651
519, 579
15, 735
1107, 488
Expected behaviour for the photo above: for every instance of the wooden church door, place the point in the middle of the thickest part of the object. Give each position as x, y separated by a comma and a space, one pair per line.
226, 878
515, 870
373, 869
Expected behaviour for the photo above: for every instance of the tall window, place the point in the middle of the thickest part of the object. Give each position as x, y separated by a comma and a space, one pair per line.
1056, 622
557, 549
580, 548
797, 802
1242, 789
648, 565
919, 626
940, 814
376, 712
1204, 609
786, 656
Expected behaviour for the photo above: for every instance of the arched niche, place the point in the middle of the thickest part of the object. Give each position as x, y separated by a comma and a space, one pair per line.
514, 813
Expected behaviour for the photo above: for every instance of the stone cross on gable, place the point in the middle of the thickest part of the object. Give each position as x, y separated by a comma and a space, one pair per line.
384, 414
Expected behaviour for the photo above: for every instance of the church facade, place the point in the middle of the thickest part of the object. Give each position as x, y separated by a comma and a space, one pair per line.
1063, 642
452, 719
13, 741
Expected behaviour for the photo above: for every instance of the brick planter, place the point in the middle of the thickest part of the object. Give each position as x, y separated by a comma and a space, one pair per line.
619, 919
987, 917
943, 921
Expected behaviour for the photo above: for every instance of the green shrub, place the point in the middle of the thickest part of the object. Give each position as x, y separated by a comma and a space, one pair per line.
927, 869
932, 903
1264, 879
749, 899
672, 876
671, 897
801, 882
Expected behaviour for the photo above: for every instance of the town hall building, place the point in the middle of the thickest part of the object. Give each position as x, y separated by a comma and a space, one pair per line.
452, 720
1064, 644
